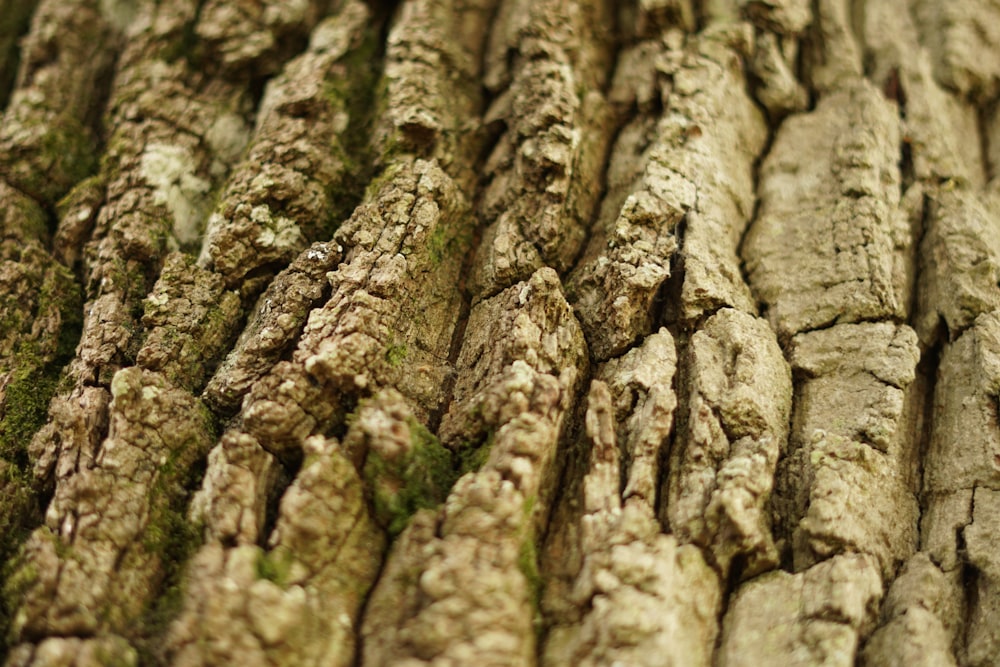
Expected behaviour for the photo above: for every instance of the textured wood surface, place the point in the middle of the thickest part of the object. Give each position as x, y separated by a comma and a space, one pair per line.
500, 332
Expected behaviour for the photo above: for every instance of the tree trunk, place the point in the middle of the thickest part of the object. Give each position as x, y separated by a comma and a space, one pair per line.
500, 332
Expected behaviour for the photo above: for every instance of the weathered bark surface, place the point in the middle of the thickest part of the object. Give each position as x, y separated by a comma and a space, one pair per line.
501, 332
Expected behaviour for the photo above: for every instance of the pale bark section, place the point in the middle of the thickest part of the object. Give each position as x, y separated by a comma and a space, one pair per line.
718, 167
940, 129
960, 261
961, 481
853, 470
667, 171
963, 38
625, 591
830, 243
920, 617
936, 610
721, 468
809, 618
545, 171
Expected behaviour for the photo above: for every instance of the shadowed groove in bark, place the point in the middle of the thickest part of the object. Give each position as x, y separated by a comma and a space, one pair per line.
17, 17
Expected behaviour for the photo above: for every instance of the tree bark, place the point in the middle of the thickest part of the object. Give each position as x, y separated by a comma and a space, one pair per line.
500, 332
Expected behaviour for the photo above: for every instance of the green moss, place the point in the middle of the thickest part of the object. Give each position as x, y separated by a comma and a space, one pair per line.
275, 566
352, 92
117, 656
57, 153
157, 618
527, 562
184, 44
438, 245
395, 355
61, 292
70, 145
472, 457
385, 176
174, 539
170, 535
25, 408
26, 219
38, 361
19, 575
421, 480
31, 384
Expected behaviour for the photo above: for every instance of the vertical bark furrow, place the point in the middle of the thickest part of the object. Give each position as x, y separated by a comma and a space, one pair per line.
617, 588
719, 167
960, 262
431, 95
831, 257
304, 163
547, 66
393, 306
665, 172
936, 609
48, 142
940, 130
49, 134
522, 363
716, 500
722, 463
16, 19
832, 49
115, 530
920, 619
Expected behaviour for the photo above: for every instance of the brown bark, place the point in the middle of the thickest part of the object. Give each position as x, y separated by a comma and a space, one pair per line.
502, 332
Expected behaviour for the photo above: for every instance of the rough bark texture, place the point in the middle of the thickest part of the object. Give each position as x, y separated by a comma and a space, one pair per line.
500, 332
